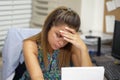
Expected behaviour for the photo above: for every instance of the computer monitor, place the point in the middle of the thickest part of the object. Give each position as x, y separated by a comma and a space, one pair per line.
116, 40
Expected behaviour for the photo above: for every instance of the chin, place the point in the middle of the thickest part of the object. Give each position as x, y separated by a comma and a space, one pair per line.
54, 48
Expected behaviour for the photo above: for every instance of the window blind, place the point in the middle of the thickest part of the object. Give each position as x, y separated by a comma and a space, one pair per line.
13, 13
40, 10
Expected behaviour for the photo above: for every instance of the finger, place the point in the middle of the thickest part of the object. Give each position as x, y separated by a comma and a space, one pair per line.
68, 40
70, 30
66, 34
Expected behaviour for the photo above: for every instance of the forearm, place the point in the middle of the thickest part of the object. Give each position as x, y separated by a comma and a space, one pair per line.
84, 55
85, 58
81, 57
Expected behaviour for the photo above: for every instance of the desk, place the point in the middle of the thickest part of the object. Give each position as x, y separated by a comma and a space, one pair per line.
105, 54
103, 58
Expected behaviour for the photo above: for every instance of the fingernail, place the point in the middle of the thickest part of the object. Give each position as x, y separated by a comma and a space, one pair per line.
61, 31
66, 27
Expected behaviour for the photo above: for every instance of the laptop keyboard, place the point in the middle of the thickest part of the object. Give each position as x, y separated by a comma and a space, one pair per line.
112, 70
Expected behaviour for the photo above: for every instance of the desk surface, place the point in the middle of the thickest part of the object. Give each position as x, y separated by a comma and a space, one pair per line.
103, 58
105, 54
105, 50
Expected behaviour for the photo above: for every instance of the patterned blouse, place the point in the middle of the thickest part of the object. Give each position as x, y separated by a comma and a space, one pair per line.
52, 72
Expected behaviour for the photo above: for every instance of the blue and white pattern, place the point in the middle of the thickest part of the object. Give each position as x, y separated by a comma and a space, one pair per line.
52, 72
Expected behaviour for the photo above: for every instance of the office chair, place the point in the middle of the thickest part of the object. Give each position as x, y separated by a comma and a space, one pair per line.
11, 52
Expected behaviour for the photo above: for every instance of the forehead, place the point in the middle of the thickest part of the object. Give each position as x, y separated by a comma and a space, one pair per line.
60, 27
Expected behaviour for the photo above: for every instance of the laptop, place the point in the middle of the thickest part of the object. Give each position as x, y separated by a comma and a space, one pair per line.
82, 73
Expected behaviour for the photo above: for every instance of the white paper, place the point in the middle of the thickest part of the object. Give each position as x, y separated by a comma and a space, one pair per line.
111, 5
83, 73
117, 3
110, 22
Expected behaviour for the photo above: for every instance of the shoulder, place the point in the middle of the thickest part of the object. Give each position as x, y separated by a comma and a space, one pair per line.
29, 45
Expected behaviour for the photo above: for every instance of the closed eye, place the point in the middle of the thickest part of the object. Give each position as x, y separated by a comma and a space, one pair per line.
58, 35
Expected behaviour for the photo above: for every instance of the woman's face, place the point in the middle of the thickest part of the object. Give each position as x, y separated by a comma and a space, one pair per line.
55, 39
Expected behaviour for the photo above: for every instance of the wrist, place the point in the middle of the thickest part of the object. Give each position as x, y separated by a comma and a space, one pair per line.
84, 48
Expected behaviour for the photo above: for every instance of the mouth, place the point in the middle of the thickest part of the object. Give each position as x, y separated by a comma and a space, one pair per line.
57, 46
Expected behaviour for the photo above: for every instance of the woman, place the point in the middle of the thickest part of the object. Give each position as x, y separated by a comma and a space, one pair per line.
57, 45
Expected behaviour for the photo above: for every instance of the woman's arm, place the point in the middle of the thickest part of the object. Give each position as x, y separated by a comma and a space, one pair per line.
80, 54
80, 57
30, 55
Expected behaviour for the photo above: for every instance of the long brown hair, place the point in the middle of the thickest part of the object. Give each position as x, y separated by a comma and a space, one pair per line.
60, 16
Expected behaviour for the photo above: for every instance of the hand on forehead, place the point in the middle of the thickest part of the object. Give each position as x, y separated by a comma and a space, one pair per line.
67, 29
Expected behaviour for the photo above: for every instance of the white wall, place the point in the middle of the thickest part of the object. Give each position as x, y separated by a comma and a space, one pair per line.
92, 15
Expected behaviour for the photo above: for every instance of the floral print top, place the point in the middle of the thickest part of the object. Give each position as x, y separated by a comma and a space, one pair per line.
52, 72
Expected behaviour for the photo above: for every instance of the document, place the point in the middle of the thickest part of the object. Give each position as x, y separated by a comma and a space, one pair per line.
111, 5
110, 22
82, 73
117, 3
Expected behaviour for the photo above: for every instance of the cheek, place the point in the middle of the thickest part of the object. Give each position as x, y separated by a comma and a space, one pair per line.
65, 43
52, 39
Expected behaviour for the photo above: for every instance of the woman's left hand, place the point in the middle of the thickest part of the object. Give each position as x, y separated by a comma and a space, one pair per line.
73, 37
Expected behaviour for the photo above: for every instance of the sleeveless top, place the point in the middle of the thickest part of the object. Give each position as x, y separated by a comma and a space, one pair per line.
52, 72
